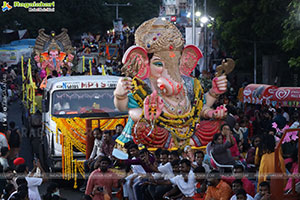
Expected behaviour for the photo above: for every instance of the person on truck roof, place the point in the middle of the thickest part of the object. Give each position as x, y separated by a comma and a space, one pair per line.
65, 71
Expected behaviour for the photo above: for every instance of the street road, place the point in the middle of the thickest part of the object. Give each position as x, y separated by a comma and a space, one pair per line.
66, 190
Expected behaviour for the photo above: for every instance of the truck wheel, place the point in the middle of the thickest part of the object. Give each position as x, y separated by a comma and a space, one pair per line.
43, 154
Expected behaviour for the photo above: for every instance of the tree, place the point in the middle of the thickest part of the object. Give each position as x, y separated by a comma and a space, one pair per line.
241, 23
291, 34
79, 16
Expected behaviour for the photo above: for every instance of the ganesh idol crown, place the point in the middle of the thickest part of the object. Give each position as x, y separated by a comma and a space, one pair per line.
164, 103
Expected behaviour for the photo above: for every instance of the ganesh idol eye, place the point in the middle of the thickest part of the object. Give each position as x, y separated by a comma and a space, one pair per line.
158, 63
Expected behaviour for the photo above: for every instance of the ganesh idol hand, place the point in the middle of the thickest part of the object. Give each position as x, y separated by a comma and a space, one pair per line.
219, 85
220, 112
123, 88
153, 105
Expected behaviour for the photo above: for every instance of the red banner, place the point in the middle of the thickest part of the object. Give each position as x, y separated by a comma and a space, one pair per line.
258, 94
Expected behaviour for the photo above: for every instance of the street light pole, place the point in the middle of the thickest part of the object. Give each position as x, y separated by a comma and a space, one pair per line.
205, 39
117, 7
255, 61
193, 23
117, 11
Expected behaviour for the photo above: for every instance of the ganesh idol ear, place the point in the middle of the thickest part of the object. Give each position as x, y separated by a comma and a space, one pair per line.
189, 59
62, 56
136, 62
45, 55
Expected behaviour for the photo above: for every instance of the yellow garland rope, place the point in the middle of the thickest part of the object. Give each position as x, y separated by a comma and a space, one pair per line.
23, 79
78, 168
30, 91
73, 134
57, 134
75, 174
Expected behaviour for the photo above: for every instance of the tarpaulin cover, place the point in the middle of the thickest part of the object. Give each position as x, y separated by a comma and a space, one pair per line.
287, 97
258, 93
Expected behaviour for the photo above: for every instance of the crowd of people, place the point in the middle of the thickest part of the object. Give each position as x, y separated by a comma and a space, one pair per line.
237, 164
240, 172
18, 183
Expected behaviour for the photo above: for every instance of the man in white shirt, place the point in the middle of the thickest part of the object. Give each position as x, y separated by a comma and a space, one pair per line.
164, 171
165, 167
32, 182
136, 171
242, 195
185, 182
237, 186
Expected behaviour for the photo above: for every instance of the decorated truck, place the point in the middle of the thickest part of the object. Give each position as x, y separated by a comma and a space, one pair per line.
68, 103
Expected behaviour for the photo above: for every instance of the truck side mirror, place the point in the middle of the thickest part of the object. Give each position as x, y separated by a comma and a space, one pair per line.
45, 105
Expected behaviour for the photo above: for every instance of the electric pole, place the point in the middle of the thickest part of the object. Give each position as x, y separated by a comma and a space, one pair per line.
117, 7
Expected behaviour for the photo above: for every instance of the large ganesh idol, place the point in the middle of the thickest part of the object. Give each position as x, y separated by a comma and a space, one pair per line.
53, 51
164, 103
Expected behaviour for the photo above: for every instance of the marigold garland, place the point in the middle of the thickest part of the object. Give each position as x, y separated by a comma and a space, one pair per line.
73, 134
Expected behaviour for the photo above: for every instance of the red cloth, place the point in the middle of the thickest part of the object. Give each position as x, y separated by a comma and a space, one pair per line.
206, 129
19, 161
107, 51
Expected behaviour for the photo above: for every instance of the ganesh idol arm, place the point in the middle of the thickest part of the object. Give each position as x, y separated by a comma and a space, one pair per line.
121, 92
121, 102
219, 86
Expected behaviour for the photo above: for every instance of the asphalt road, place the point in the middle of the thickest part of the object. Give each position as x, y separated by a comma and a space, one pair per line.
66, 190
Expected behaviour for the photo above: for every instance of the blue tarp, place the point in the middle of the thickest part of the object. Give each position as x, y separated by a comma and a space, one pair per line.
18, 44
11, 48
29, 42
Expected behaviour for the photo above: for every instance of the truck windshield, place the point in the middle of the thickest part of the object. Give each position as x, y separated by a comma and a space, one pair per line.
84, 103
